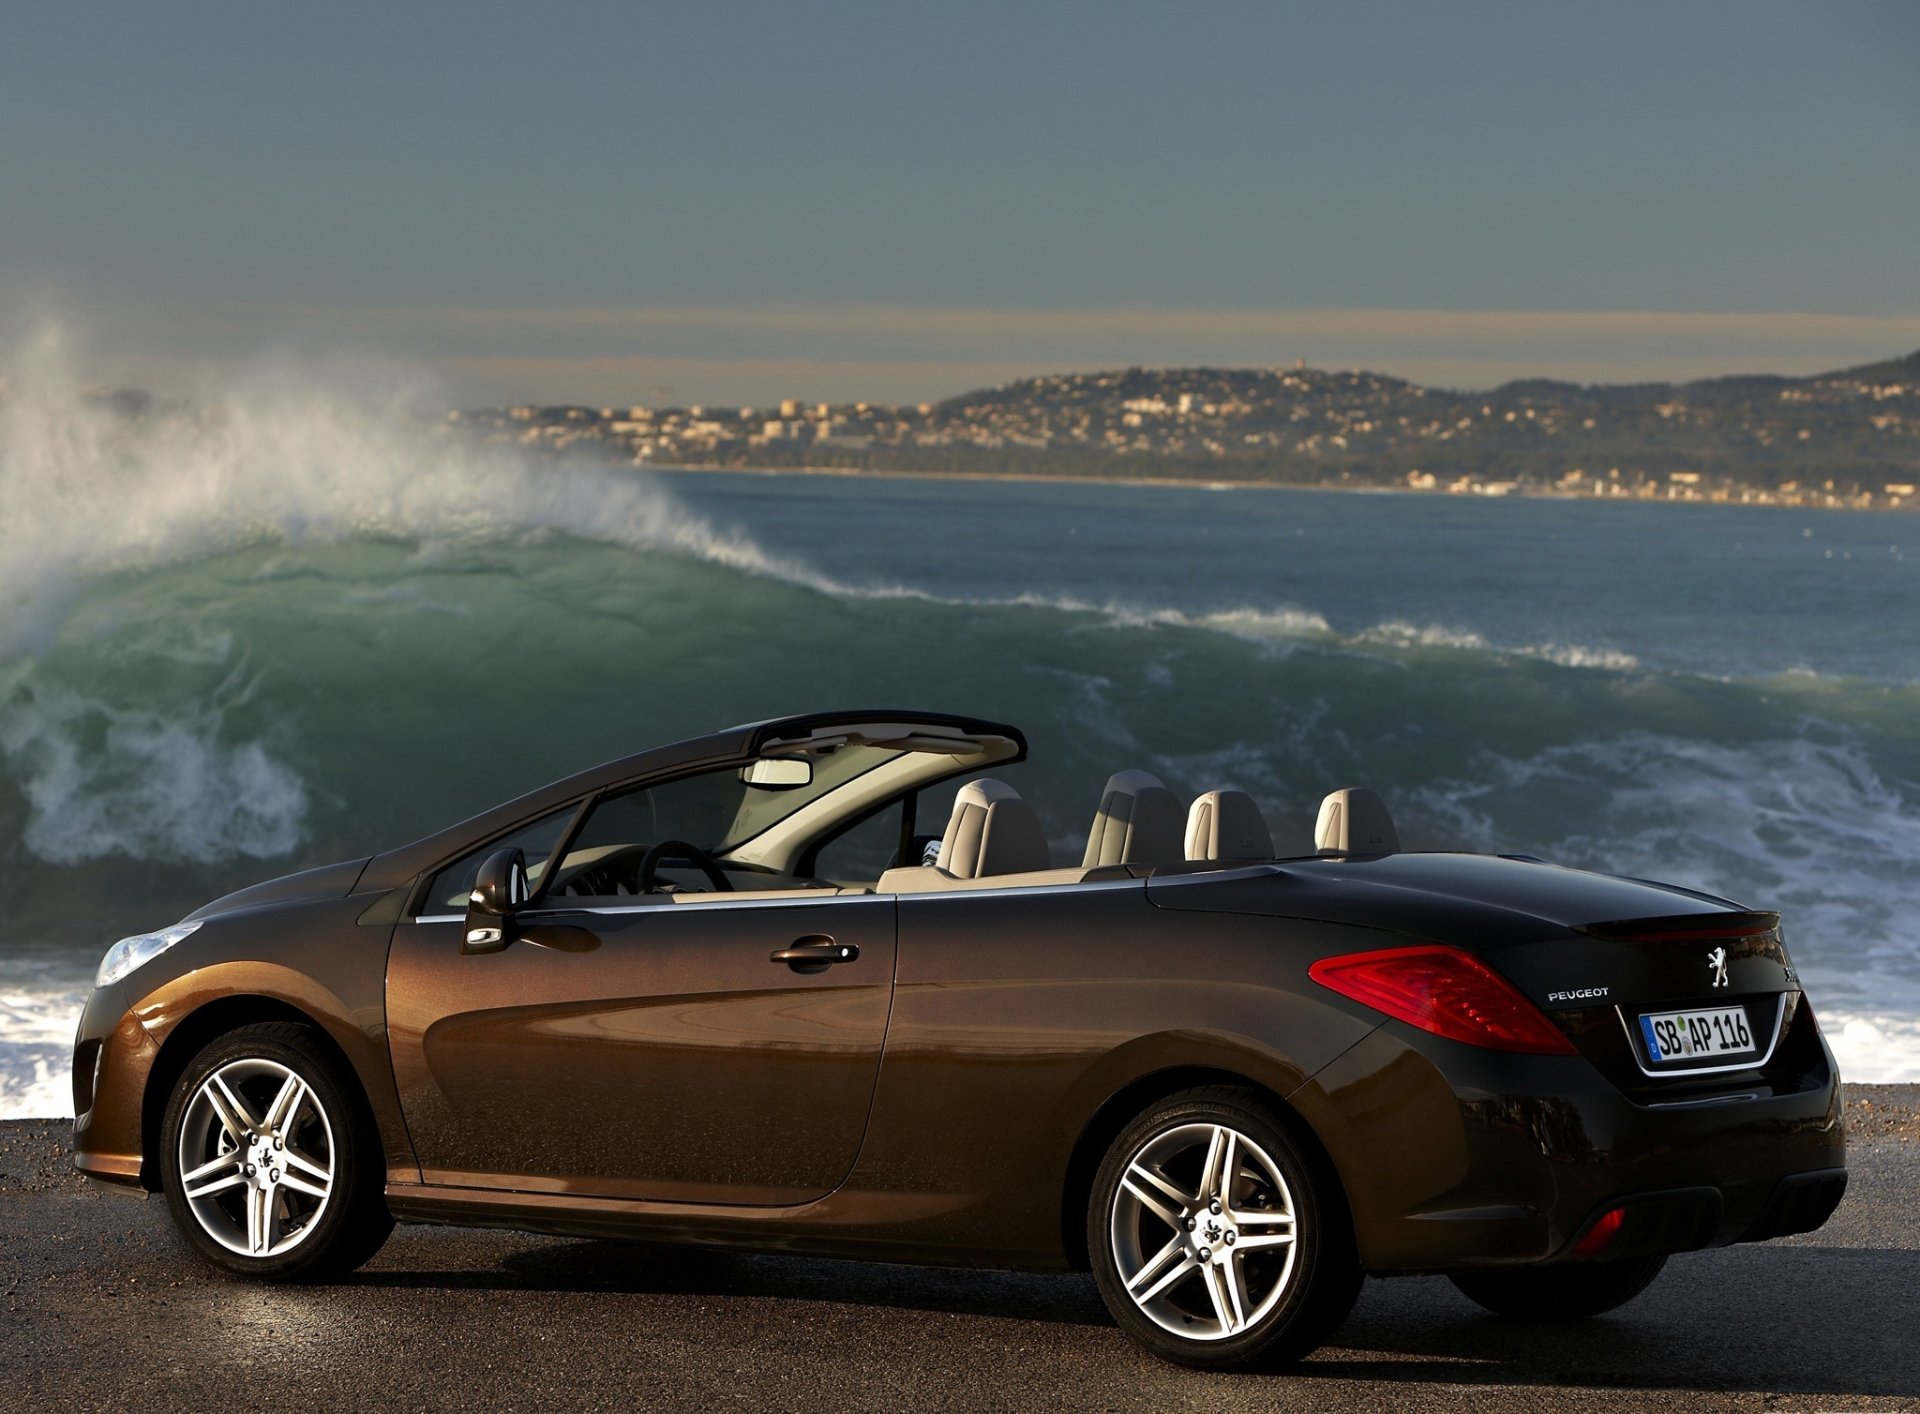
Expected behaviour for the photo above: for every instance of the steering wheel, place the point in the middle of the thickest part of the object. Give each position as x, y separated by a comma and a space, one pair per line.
680, 849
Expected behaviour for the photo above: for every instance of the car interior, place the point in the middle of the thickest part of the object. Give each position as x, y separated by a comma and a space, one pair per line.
762, 829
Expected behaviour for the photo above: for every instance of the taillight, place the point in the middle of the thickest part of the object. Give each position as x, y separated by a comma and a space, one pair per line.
1447, 992
1803, 1016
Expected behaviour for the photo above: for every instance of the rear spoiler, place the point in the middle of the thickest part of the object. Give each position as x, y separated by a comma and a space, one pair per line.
1683, 927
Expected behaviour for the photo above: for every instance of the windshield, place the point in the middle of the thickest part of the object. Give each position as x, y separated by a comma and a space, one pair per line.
718, 810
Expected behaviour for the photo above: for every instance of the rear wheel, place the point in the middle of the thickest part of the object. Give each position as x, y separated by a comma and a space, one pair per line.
270, 1170
1561, 1293
1215, 1241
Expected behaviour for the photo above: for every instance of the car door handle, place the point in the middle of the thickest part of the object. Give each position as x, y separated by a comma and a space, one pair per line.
815, 953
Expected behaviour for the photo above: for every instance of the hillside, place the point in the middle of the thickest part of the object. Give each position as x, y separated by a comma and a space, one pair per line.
1848, 436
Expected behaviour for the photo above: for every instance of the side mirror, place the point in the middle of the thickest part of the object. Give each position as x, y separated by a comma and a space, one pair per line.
778, 772
498, 891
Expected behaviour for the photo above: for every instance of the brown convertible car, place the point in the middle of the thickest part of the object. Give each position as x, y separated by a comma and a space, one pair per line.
727, 992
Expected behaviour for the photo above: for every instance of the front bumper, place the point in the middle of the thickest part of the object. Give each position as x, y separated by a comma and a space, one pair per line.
1452, 1156
113, 1054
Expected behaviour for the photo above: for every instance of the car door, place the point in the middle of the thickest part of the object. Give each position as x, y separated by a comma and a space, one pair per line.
655, 1049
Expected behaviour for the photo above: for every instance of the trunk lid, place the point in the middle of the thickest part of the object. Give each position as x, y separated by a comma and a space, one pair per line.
1695, 998
1638, 974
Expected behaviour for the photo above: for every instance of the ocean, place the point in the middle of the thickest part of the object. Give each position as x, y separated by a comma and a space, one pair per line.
289, 627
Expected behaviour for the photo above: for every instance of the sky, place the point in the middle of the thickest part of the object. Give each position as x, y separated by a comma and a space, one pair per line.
736, 202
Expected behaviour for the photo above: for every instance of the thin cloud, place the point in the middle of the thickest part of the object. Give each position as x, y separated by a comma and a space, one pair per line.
1787, 328
1424, 344
728, 382
752, 355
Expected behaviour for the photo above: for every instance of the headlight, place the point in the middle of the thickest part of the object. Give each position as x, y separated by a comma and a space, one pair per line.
130, 953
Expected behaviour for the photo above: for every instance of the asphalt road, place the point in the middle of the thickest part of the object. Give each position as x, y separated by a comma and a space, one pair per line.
101, 1306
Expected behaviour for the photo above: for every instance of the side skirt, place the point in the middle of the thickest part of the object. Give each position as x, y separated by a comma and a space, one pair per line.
866, 1227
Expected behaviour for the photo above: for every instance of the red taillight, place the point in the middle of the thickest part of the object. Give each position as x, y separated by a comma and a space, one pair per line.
1445, 991
1601, 1233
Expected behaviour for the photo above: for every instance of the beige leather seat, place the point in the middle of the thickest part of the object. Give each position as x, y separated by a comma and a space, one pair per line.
992, 831
1355, 821
1138, 823
1226, 824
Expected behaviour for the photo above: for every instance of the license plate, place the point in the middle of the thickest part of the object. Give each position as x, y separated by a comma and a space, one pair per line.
1717, 1031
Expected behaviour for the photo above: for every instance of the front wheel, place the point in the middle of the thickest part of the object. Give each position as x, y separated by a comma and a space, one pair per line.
270, 1169
1216, 1241
1560, 1293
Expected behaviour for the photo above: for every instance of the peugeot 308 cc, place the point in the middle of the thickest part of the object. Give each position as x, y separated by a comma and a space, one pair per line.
726, 992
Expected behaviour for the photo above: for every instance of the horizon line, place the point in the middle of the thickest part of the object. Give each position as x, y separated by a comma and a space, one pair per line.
901, 354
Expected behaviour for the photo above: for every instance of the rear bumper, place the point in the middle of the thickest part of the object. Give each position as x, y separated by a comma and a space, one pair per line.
1453, 1157
1687, 1219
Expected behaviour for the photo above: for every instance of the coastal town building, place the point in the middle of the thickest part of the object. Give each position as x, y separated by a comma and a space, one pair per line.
1842, 440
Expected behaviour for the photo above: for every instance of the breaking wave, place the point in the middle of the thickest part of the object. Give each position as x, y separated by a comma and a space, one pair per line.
97, 485
287, 625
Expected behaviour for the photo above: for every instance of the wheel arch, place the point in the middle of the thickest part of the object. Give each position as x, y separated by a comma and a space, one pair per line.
198, 1029
1131, 1099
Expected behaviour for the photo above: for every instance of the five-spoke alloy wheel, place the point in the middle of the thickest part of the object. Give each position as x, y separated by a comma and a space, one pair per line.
268, 1167
1215, 1242
256, 1158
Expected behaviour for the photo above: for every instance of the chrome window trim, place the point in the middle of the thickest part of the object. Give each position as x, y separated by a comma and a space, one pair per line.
1018, 890
1256, 870
1751, 1063
726, 901
718, 901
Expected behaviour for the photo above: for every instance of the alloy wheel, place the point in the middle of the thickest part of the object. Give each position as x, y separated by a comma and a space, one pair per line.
1203, 1230
256, 1157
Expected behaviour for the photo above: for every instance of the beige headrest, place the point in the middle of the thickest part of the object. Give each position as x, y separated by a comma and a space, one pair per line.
1226, 824
992, 831
1138, 823
1355, 821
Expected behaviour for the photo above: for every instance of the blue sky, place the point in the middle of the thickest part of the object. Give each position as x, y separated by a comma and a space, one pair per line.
900, 200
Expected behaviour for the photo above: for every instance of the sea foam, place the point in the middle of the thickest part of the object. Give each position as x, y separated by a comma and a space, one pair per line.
40, 1002
102, 780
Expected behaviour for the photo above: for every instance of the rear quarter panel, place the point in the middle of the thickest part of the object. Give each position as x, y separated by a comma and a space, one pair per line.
1017, 1015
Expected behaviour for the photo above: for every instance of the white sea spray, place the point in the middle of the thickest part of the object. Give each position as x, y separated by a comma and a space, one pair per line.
92, 487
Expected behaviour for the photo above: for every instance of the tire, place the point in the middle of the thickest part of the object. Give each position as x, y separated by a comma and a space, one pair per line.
271, 1165
1571, 1291
1280, 1271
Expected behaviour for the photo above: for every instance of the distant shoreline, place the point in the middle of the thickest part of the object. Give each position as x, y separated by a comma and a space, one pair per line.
1849, 439
1047, 478
1228, 483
